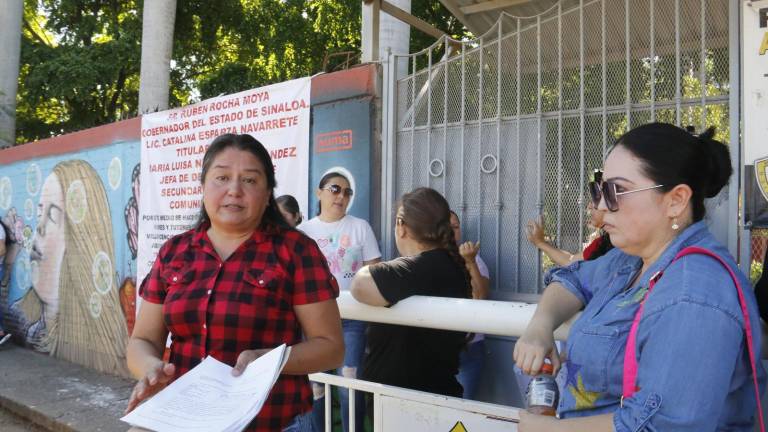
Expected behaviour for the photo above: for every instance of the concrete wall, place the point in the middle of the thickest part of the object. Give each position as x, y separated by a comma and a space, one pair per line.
70, 205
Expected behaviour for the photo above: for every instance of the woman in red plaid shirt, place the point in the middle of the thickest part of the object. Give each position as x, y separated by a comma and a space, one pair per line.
239, 284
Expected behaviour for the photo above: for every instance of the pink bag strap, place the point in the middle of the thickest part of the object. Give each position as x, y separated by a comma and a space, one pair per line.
630, 359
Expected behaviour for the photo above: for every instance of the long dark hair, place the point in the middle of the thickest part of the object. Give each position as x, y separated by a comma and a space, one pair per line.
672, 156
7, 233
427, 215
289, 203
245, 142
324, 181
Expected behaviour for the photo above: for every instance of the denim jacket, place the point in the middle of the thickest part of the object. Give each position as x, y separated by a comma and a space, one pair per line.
693, 368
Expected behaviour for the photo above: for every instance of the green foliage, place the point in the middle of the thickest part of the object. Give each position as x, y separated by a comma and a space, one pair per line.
79, 63
755, 271
250, 43
80, 59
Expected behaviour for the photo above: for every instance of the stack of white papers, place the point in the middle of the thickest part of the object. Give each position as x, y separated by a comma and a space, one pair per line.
209, 398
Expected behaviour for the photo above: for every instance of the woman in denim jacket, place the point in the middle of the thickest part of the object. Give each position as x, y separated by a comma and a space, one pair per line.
694, 372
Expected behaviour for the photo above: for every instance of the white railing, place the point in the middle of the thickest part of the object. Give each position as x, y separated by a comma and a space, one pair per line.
500, 318
385, 418
396, 408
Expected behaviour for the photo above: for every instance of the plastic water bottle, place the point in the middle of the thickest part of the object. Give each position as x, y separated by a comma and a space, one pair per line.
543, 395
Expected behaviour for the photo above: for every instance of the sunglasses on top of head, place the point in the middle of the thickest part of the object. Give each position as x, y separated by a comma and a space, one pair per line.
336, 189
608, 190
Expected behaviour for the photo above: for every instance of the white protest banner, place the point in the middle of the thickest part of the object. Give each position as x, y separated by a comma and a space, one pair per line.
173, 143
755, 109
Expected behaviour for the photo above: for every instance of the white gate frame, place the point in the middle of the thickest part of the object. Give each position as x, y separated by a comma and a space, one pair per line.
497, 412
478, 316
727, 225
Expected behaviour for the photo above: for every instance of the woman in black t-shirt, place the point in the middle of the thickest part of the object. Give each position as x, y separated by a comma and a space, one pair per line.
430, 265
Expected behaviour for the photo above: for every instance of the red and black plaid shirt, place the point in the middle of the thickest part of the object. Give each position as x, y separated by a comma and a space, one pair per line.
221, 308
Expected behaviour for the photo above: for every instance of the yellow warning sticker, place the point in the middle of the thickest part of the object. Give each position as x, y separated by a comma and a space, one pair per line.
458, 427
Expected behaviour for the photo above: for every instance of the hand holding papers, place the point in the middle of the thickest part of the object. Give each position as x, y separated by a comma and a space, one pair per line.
209, 398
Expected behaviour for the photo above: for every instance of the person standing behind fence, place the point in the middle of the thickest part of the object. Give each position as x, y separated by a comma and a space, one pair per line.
238, 285
430, 265
348, 244
597, 247
290, 210
663, 342
473, 356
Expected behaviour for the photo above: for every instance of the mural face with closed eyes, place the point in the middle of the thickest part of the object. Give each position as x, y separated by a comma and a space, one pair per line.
73, 308
69, 205
48, 246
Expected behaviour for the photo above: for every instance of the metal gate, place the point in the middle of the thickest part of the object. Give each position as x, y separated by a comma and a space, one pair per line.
510, 125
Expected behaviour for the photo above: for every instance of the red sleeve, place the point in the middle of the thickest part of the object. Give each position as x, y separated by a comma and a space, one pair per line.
153, 287
592, 247
313, 281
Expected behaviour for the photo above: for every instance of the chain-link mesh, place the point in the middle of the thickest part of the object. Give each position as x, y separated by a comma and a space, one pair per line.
758, 250
511, 127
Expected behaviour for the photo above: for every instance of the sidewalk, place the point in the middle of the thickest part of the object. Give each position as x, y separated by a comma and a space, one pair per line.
59, 395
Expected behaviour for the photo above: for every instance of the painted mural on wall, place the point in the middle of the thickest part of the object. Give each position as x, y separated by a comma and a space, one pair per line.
69, 287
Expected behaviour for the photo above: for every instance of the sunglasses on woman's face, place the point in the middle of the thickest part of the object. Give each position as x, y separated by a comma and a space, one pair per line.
336, 189
608, 190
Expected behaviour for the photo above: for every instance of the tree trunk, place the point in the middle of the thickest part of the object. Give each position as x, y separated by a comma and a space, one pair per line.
11, 12
156, 47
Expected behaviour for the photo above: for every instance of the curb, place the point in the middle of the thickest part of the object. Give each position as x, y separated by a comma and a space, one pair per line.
61, 396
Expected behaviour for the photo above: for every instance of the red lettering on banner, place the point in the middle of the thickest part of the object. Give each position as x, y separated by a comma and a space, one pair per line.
191, 151
288, 152
175, 140
193, 111
283, 107
259, 126
170, 166
209, 134
168, 179
225, 118
165, 129
181, 191
224, 104
333, 141
255, 98
188, 204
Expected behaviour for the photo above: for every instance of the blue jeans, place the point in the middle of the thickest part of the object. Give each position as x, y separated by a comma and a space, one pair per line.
302, 423
471, 362
354, 341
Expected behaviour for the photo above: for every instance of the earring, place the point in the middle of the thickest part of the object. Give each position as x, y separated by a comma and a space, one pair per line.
675, 226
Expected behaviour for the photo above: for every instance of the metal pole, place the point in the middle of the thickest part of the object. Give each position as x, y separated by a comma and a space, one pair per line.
653, 60
559, 239
480, 140
328, 414
628, 76
582, 108
429, 115
414, 107
463, 204
605, 78
519, 177
445, 115
389, 152
678, 95
703, 72
735, 189
378, 413
498, 154
351, 418
538, 128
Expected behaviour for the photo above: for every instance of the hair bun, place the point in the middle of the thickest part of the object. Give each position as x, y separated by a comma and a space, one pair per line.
718, 163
